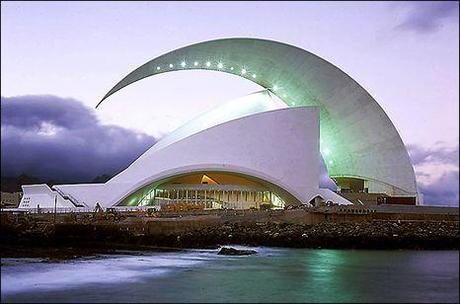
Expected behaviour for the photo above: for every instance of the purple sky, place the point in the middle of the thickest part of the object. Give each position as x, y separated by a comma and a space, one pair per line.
405, 54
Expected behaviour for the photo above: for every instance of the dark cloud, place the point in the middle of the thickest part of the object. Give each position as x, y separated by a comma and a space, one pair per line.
427, 17
439, 154
444, 191
58, 138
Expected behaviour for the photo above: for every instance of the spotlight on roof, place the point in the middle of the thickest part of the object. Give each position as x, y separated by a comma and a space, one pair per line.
158, 68
171, 65
254, 75
208, 64
275, 88
183, 64
231, 68
195, 63
243, 71
220, 65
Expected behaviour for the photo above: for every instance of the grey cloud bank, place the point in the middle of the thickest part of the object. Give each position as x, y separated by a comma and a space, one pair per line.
59, 138
427, 17
443, 190
420, 155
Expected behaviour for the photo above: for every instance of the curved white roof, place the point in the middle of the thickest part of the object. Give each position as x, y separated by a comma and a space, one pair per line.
279, 147
236, 108
357, 137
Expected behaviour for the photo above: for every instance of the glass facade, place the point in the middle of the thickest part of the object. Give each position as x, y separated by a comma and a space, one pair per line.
204, 196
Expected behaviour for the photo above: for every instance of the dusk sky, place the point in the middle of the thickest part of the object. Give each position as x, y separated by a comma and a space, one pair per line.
405, 54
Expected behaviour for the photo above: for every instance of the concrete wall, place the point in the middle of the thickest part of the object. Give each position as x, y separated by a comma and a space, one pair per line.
42, 196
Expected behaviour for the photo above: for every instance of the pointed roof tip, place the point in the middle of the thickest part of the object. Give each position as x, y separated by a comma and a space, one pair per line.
110, 93
99, 103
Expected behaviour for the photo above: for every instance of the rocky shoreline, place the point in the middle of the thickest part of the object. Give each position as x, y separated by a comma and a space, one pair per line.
363, 235
73, 240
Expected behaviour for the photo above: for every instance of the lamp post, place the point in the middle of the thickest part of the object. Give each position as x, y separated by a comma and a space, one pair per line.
55, 203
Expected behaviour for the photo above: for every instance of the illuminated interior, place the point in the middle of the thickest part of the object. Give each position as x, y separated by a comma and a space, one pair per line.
351, 185
209, 190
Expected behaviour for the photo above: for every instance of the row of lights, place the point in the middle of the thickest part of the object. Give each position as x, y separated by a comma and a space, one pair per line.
220, 65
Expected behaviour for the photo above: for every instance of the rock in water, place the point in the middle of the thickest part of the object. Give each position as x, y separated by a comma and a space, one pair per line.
233, 251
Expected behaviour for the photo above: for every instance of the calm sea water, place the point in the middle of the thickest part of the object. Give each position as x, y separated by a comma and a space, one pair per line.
273, 275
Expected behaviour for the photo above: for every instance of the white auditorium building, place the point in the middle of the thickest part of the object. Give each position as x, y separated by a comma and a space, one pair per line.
260, 150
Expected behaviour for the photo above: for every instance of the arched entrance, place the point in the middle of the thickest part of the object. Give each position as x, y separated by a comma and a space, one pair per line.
209, 190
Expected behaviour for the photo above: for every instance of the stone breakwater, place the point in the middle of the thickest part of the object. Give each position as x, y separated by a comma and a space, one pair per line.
22, 239
363, 235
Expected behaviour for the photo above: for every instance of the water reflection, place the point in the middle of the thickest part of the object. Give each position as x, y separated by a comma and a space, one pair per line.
273, 275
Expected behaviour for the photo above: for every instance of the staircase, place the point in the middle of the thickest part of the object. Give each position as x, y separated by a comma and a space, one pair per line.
69, 197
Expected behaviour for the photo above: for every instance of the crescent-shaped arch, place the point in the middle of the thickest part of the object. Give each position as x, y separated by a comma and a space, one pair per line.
357, 138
